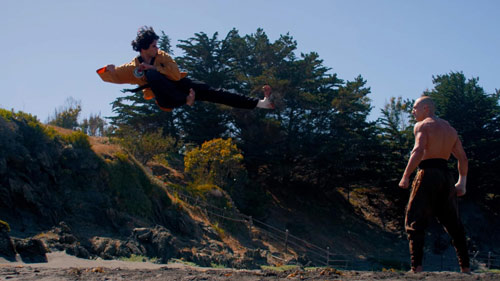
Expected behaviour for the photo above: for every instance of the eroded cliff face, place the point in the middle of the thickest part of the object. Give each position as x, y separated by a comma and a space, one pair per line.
92, 199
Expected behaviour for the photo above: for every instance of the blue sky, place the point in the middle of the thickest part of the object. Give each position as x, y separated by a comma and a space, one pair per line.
51, 49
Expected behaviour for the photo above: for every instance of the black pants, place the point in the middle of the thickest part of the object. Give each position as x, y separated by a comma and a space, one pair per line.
170, 94
433, 195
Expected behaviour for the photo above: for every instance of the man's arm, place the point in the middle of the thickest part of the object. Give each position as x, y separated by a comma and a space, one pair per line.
168, 67
463, 167
416, 155
120, 75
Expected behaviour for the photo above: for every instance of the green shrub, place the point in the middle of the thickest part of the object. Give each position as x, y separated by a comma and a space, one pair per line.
27, 129
6, 114
134, 191
146, 146
129, 185
67, 115
77, 139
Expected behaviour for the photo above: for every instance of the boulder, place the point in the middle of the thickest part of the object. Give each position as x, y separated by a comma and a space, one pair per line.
157, 242
7, 249
108, 248
78, 251
31, 250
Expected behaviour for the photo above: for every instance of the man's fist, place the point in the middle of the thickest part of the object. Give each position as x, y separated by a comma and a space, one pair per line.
460, 185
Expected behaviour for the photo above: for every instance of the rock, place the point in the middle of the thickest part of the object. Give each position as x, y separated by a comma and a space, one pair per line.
253, 259
103, 247
59, 238
135, 248
22, 188
203, 259
142, 234
67, 239
163, 243
7, 249
78, 251
154, 242
108, 248
31, 250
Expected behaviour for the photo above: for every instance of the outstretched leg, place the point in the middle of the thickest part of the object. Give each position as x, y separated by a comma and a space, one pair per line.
204, 92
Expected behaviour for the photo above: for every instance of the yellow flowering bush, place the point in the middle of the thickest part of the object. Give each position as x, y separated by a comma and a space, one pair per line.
216, 162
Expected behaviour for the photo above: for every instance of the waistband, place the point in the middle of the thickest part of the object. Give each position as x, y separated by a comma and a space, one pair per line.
434, 163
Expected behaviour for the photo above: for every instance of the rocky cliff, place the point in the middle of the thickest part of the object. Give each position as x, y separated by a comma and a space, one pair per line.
66, 191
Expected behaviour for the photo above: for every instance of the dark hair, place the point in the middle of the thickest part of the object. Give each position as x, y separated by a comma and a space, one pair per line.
145, 36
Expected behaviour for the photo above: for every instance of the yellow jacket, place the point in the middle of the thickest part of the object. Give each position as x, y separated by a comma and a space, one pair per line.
125, 74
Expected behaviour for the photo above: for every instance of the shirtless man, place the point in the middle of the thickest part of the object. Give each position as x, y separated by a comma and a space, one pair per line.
433, 192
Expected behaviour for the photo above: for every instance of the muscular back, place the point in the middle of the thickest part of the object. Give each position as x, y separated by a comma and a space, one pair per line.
441, 138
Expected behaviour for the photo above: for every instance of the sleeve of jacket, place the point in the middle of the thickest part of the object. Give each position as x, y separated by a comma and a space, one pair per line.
168, 67
122, 74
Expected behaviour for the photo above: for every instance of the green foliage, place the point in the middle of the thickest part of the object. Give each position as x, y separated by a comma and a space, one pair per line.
212, 194
67, 115
131, 187
205, 59
396, 136
94, 125
77, 139
6, 114
27, 118
133, 191
21, 131
146, 146
142, 116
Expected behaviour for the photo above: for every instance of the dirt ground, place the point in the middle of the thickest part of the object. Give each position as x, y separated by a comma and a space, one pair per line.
63, 267
28, 273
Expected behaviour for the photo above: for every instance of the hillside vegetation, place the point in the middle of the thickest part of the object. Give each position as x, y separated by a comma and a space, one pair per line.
91, 198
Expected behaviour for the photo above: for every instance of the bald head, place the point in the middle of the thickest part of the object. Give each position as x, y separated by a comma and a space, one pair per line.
426, 101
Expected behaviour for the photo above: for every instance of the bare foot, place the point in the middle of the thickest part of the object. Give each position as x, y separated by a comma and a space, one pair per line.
191, 97
417, 269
